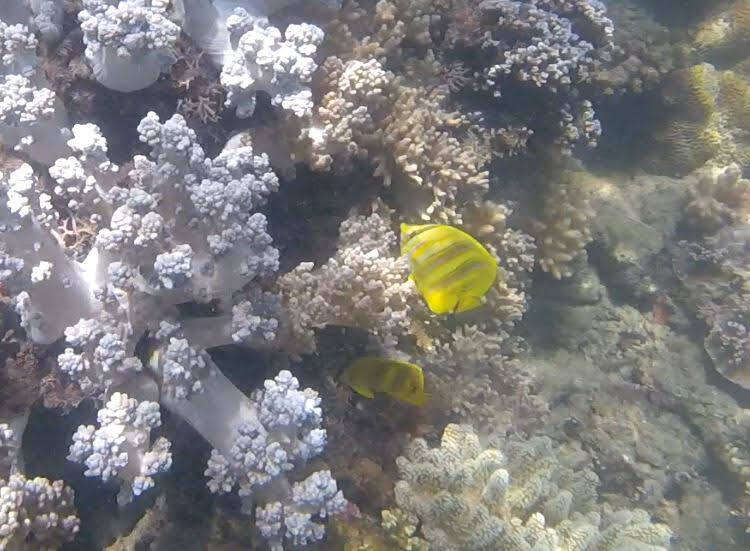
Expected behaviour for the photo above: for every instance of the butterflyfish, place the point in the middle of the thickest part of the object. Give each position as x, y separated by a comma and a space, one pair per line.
450, 268
400, 380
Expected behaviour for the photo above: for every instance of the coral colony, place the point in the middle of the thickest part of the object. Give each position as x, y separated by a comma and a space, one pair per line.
202, 291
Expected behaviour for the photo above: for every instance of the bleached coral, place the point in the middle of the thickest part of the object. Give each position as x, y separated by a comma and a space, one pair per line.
128, 43
283, 68
17, 50
315, 496
120, 447
281, 433
32, 119
527, 495
35, 514
44, 310
42, 16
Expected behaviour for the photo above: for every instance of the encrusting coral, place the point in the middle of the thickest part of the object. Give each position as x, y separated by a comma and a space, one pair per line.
527, 495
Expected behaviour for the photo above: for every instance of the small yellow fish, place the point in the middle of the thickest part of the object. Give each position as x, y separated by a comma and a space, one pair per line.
451, 269
401, 380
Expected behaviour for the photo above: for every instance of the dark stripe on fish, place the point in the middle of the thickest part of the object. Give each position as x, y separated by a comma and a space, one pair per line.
461, 272
420, 230
437, 259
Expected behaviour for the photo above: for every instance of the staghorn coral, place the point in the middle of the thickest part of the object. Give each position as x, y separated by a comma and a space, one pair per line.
197, 82
527, 495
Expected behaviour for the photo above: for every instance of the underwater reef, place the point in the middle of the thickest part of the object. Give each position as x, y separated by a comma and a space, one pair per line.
375, 275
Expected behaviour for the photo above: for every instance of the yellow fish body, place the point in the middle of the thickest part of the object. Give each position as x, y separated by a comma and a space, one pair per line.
401, 380
451, 269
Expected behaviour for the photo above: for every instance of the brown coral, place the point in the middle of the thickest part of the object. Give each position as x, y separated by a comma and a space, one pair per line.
735, 95
19, 381
563, 227
720, 197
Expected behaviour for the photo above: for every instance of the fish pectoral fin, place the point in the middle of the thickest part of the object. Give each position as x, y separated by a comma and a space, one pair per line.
467, 303
421, 399
364, 391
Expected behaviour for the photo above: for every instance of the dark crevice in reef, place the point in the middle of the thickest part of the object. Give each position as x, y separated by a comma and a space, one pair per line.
304, 218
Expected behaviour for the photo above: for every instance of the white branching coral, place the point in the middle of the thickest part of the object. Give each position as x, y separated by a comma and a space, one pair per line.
128, 43
530, 495
32, 119
17, 50
120, 447
183, 230
35, 514
280, 432
83, 179
315, 496
42, 16
282, 67
44, 309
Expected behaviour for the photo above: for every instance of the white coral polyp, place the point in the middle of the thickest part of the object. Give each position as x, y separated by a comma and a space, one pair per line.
128, 43
283, 68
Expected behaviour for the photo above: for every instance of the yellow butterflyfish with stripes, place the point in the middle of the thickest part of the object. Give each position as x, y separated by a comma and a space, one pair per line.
400, 380
451, 269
